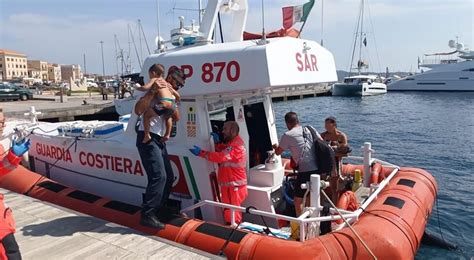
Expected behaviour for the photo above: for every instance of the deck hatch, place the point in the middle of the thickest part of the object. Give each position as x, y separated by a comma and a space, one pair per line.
84, 196
406, 182
52, 186
395, 202
221, 232
123, 207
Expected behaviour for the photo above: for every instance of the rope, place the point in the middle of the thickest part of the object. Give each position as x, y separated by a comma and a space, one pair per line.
439, 223
349, 225
224, 246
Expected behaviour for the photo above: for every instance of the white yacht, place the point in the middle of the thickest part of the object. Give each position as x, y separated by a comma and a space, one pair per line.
360, 85
444, 74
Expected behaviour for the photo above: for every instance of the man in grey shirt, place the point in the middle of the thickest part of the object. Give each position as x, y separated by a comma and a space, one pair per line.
299, 141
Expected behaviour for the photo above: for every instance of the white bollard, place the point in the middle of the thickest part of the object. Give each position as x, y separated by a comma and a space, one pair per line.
33, 115
315, 199
367, 149
315, 190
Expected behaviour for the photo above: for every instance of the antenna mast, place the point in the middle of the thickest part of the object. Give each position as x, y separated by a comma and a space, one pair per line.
322, 22
263, 40
200, 10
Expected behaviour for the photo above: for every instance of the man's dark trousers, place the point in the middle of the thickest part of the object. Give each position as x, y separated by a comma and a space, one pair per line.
158, 170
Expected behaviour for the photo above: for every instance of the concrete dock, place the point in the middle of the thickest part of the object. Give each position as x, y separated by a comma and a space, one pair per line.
46, 231
291, 93
51, 107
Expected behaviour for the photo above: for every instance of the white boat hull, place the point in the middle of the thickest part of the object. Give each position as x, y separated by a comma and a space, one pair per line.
460, 84
364, 89
455, 77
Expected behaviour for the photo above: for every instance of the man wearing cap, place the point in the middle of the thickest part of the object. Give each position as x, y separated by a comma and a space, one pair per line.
338, 141
154, 157
177, 79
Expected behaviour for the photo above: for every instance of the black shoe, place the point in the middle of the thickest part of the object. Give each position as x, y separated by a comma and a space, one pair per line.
151, 221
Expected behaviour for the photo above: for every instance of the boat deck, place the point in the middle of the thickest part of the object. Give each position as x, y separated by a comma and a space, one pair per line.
46, 231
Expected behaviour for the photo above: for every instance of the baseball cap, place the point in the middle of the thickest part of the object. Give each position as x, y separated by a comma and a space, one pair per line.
177, 74
331, 118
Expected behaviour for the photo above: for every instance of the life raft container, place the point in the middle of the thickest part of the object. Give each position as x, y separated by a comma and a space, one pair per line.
400, 214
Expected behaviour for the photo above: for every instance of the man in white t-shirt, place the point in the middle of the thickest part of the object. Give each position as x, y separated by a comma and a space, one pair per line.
154, 157
299, 141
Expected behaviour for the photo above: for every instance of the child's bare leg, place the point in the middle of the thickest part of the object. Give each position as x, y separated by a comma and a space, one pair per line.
147, 116
169, 125
176, 116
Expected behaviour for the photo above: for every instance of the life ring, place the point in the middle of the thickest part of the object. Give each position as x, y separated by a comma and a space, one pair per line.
377, 173
347, 201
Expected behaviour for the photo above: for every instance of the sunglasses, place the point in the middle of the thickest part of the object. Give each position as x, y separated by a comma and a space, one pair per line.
178, 81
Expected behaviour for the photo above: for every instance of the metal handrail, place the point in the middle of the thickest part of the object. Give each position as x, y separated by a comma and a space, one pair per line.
303, 218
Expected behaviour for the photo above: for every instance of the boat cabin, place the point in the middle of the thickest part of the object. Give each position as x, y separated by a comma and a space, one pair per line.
234, 81
362, 79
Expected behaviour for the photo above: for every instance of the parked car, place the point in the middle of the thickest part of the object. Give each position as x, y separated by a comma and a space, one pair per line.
10, 91
92, 84
64, 85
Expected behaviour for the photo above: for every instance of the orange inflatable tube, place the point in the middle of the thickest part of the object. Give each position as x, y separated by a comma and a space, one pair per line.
399, 213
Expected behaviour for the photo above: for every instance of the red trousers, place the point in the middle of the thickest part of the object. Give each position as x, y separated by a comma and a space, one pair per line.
234, 196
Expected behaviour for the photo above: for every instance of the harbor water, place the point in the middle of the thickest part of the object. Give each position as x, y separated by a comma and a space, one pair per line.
433, 131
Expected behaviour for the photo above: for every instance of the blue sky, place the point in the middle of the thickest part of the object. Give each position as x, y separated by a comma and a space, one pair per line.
61, 31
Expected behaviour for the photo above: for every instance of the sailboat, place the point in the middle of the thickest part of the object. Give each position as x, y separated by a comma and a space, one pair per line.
360, 84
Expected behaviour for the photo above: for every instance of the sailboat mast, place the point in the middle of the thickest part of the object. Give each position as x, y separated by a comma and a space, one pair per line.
354, 46
116, 54
361, 34
140, 39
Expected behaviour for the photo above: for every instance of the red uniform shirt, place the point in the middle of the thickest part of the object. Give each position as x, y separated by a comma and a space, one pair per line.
7, 223
232, 159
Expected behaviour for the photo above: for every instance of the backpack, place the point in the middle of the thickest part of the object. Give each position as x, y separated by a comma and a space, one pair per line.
325, 155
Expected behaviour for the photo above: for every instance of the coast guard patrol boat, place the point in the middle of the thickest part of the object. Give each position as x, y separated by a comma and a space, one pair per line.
94, 166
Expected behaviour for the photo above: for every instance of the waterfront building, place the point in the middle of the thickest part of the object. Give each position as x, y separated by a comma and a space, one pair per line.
12, 65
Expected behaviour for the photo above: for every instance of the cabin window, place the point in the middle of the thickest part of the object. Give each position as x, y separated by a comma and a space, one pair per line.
348, 81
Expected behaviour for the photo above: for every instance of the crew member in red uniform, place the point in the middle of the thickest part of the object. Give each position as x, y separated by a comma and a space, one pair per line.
8, 246
232, 159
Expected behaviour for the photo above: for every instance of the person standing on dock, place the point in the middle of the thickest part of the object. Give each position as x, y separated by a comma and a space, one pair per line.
103, 91
232, 158
8, 246
338, 141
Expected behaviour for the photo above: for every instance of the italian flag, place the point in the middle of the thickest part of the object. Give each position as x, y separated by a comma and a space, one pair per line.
295, 14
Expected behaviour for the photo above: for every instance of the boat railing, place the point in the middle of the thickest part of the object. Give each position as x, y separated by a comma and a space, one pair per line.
315, 184
301, 220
